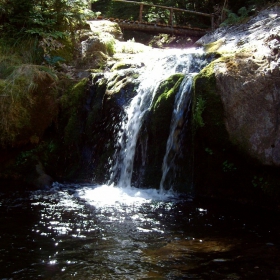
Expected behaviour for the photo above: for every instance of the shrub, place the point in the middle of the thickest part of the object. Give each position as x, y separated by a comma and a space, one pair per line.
19, 94
234, 18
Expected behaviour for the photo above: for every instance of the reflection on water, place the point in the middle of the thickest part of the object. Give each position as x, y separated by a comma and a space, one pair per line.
102, 232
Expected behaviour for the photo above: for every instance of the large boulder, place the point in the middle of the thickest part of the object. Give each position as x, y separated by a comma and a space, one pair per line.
236, 112
247, 77
251, 100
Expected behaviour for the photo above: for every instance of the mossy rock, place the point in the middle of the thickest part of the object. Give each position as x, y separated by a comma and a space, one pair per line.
158, 126
214, 46
121, 65
212, 114
210, 135
162, 106
28, 104
221, 169
73, 97
66, 52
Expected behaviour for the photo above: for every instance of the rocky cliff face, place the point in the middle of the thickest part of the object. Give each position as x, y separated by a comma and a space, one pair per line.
248, 83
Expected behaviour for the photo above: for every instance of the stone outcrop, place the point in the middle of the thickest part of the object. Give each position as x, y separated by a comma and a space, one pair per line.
248, 83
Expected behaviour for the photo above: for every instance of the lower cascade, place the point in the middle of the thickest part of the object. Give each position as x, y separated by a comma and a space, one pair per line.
166, 80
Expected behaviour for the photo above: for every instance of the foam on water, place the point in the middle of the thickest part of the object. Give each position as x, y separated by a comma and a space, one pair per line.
109, 195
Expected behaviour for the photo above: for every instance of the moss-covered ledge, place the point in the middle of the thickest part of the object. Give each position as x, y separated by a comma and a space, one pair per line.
158, 126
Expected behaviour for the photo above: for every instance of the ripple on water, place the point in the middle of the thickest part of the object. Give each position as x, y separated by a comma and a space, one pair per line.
70, 231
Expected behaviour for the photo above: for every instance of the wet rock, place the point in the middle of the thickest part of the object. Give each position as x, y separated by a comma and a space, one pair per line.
43, 180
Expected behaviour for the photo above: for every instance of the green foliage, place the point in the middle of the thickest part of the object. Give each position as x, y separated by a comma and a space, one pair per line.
71, 103
199, 108
21, 51
52, 16
50, 20
228, 166
209, 151
110, 46
156, 15
7, 64
261, 183
19, 92
238, 10
233, 18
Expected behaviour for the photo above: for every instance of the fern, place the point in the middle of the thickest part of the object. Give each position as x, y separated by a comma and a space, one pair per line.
199, 108
234, 18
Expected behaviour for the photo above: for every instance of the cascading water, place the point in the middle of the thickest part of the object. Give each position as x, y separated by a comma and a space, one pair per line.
157, 71
180, 118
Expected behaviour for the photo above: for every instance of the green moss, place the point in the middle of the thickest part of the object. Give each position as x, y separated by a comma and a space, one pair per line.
204, 88
72, 102
214, 46
72, 98
66, 52
209, 131
26, 95
159, 125
72, 129
120, 65
197, 115
222, 169
162, 106
166, 91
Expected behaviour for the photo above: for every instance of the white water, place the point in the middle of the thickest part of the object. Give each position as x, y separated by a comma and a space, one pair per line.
111, 196
160, 68
119, 190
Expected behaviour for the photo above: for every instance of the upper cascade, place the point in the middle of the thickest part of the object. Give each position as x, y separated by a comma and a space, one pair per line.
160, 68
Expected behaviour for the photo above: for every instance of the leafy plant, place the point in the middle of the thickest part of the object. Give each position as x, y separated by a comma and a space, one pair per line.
228, 166
233, 18
199, 108
209, 151
51, 19
110, 46
260, 182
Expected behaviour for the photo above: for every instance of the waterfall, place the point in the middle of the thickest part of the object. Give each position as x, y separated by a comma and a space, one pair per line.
160, 68
182, 107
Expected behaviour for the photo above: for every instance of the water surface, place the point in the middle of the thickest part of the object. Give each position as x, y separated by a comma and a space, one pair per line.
72, 232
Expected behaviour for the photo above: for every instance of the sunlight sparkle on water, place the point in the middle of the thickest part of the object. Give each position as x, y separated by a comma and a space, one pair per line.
108, 195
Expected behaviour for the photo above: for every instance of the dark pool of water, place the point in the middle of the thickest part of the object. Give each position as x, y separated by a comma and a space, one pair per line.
58, 234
